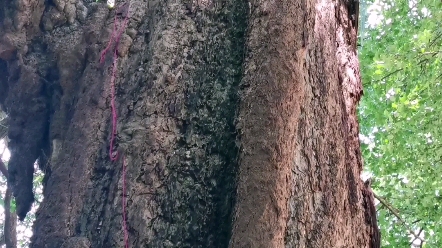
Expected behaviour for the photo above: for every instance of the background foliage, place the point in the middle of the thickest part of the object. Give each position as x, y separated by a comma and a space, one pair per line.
400, 55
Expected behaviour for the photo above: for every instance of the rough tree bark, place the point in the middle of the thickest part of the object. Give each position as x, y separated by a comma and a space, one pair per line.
237, 121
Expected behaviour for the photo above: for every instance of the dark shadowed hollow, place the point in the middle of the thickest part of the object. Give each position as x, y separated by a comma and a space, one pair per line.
237, 122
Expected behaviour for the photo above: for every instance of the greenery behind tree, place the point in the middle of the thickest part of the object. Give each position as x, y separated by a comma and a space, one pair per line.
400, 118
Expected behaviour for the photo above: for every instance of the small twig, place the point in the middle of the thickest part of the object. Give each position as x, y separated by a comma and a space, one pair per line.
419, 233
431, 53
395, 212
435, 39
389, 74
422, 61
416, 221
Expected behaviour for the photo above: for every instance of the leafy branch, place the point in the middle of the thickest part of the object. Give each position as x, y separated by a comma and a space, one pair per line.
395, 212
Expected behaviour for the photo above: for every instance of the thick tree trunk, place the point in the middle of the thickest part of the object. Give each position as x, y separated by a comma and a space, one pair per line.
236, 122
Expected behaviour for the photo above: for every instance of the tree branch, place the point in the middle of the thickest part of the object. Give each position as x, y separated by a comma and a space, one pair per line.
389, 74
395, 212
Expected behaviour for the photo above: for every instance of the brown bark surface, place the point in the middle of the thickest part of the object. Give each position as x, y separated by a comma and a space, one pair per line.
236, 119
300, 163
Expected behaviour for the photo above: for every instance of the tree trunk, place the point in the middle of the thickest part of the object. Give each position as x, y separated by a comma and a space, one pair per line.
236, 122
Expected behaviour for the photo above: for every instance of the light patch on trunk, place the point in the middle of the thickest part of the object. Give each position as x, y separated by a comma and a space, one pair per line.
56, 148
110, 4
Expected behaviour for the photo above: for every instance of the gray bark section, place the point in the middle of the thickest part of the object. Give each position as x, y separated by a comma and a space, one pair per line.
179, 68
178, 136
